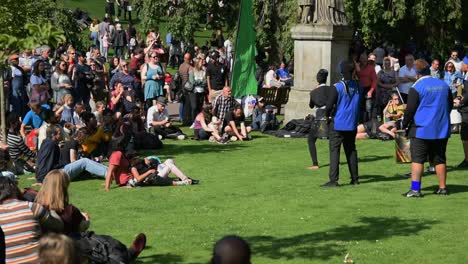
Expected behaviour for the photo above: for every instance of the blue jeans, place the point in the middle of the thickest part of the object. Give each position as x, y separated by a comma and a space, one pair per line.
75, 168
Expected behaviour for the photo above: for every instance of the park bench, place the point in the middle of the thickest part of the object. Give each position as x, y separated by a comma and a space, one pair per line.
275, 96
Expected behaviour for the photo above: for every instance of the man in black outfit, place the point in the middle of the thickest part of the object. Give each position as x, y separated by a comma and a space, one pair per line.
216, 77
318, 98
342, 110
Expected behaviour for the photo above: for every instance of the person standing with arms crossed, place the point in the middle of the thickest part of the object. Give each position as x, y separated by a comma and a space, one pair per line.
428, 97
342, 111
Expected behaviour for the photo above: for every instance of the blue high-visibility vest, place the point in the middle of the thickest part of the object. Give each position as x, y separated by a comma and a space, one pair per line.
432, 118
347, 106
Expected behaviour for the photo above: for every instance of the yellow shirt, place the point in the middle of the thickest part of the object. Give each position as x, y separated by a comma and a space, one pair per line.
400, 110
92, 142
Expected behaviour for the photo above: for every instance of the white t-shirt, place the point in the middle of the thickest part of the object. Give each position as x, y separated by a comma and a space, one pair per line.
270, 76
404, 71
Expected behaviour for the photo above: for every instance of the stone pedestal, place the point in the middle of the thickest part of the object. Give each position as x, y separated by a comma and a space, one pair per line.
316, 46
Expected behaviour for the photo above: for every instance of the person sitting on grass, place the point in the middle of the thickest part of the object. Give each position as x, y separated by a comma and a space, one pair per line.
159, 123
48, 158
22, 157
95, 144
71, 148
234, 125
151, 172
54, 196
206, 126
23, 221
393, 112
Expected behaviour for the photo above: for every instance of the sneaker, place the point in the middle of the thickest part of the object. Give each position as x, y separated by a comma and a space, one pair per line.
233, 138
225, 136
330, 185
463, 164
223, 141
160, 137
132, 182
430, 170
181, 183
138, 245
413, 194
180, 137
195, 181
212, 139
441, 191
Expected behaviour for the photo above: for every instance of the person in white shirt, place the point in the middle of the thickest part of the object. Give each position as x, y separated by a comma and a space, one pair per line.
455, 60
406, 76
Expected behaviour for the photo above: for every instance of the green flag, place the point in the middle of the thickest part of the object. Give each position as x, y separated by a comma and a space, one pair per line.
243, 73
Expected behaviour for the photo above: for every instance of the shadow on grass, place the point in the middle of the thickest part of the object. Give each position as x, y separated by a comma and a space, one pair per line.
330, 243
380, 178
205, 147
160, 258
452, 188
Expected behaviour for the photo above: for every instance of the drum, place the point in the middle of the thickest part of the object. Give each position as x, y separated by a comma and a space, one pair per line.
455, 117
321, 127
402, 147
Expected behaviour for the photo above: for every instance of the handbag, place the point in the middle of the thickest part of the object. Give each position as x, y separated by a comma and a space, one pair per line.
188, 86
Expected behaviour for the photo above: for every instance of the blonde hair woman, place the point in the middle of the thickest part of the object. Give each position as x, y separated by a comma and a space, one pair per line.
54, 196
58, 249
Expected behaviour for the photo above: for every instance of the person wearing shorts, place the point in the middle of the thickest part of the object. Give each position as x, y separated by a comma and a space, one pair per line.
428, 97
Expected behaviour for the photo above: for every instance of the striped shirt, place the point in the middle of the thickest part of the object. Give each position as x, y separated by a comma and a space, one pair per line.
17, 147
20, 222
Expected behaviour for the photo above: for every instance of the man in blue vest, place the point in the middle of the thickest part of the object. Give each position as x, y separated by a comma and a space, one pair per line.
427, 120
342, 110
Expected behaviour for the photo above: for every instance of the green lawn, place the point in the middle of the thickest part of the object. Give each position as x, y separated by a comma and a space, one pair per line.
262, 191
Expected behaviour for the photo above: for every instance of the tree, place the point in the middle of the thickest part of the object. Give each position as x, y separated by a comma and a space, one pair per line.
434, 25
274, 20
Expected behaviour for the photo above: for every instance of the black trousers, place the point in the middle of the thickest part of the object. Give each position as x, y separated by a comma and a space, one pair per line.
348, 139
311, 139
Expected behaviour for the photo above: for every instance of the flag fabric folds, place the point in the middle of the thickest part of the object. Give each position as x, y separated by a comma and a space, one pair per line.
243, 80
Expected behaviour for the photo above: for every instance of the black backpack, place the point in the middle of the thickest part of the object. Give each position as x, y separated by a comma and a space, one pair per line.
100, 249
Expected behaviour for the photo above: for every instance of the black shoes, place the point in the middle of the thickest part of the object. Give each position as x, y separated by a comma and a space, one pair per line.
441, 191
330, 185
354, 182
195, 181
413, 194
463, 164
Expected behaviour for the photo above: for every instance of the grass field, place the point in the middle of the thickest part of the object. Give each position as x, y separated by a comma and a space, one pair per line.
262, 191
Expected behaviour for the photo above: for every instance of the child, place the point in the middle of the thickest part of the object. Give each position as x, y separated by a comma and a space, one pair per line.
100, 106
167, 86
105, 44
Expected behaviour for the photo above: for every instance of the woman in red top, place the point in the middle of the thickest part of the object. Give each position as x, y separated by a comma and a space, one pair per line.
119, 164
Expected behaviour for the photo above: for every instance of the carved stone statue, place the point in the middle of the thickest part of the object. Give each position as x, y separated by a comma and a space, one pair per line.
324, 12
306, 10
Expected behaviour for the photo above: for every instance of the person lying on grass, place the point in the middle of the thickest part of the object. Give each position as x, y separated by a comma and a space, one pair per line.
150, 171
121, 172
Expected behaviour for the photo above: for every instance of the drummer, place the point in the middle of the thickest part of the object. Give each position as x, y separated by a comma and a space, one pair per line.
428, 97
318, 98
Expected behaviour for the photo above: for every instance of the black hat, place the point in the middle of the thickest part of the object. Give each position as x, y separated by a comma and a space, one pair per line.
215, 55
161, 100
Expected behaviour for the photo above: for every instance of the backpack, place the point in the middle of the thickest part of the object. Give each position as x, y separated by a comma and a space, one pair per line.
100, 249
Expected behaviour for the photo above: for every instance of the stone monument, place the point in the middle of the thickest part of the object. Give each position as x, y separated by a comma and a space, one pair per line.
321, 40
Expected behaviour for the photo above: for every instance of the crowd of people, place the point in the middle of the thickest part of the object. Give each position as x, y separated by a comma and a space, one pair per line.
70, 112
420, 101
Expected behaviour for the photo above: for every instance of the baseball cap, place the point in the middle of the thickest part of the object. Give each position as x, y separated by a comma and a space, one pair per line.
8, 174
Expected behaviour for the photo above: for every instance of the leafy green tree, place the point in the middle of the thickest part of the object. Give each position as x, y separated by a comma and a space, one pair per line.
434, 25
